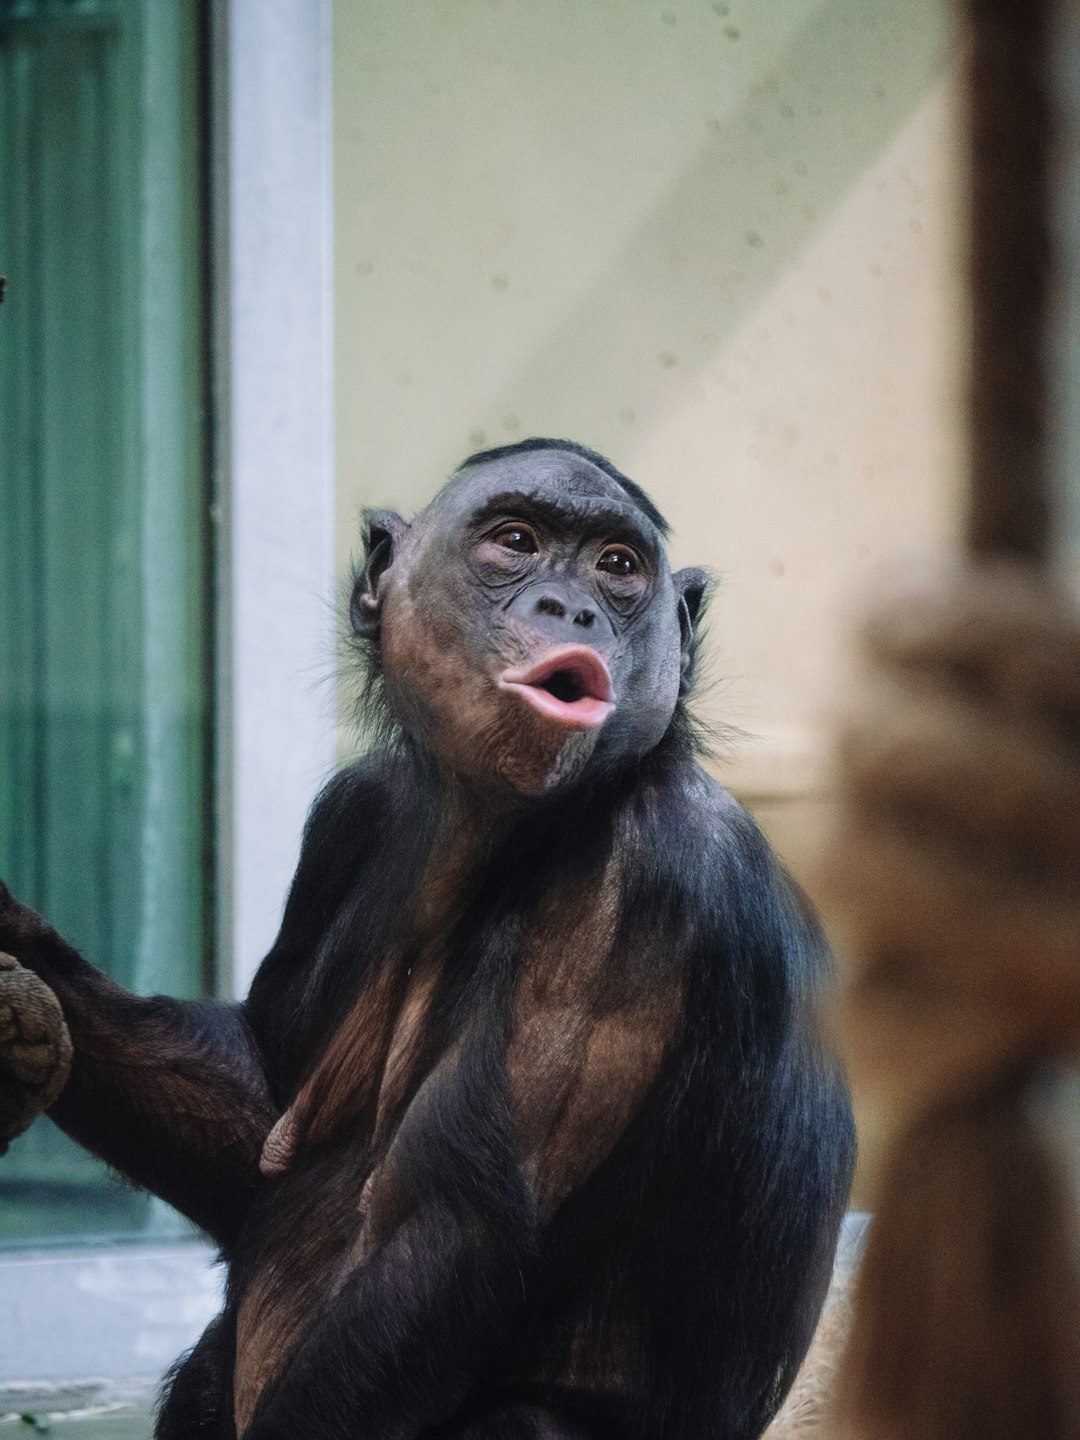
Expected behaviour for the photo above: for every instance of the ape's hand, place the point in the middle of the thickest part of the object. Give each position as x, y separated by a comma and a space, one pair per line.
35, 1048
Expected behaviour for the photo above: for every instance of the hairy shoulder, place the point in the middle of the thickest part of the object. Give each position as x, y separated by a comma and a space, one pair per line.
356, 793
341, 836
692, 825
701, 861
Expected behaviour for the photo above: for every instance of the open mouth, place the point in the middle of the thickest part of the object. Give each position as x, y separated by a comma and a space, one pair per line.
571, 686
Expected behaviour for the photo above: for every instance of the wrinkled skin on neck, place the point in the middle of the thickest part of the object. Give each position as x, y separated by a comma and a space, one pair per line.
471, 593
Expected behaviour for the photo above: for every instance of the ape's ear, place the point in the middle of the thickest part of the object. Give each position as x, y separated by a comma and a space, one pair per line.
383, 534
692, 587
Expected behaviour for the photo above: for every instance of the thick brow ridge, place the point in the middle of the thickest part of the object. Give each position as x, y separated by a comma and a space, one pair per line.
599, 513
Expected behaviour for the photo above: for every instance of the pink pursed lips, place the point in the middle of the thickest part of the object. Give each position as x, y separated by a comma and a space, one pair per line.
570, 686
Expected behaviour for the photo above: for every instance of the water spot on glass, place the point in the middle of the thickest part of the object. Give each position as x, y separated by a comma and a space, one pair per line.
814, 108
720, 8
787, 112
668, 17
878, 92
364, 268
713, 125
809, 212
831, 457
754, 452
732, 32
799, 167
876, 270
500, 282
780, 187
824, 294
916, 225
627, 416
477, 439
402, 378
863, 551
777, 568
511, 423
123, 745
667, 358
753, 237
217, 514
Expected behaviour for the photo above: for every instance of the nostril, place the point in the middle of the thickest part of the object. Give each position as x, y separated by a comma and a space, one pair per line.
585, 618
548, 605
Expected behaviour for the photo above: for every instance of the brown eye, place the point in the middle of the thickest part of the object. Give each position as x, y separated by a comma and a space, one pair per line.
516, 538
618, 560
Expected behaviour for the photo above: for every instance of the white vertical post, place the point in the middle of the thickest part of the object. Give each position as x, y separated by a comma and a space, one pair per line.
273, 304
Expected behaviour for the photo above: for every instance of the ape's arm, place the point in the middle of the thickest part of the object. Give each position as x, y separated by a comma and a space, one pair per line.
454, 1222
171, 1093
454, 1230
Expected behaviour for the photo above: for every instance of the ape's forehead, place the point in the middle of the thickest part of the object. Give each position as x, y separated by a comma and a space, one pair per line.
554, 474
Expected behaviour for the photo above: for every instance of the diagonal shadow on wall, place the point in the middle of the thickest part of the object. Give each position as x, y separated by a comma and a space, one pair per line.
769, 178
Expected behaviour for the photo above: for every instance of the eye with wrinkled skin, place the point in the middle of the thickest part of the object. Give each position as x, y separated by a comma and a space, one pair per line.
619, 561
518, 538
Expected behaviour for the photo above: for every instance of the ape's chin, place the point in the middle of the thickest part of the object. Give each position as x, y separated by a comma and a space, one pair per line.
540, 759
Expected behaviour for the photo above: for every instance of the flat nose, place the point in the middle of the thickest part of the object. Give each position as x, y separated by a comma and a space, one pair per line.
562, 612
553, 606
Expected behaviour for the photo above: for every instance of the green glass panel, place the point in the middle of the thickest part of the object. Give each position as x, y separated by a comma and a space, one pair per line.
103, 665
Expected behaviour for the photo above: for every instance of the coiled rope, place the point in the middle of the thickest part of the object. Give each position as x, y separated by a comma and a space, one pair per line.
956, 869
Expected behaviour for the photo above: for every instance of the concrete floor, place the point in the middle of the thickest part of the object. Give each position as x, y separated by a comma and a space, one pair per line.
101, 1410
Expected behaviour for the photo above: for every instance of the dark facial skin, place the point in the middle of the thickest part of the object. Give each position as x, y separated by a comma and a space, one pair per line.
529, 622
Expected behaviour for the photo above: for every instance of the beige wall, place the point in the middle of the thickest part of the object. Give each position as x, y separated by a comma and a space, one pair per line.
716, 242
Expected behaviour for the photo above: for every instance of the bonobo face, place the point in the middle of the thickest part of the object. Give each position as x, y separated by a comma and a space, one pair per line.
528, 621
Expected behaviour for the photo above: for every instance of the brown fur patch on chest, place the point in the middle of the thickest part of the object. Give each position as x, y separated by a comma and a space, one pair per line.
350, 1084
362, 1083
293, 1284
589, 1035
362, 1078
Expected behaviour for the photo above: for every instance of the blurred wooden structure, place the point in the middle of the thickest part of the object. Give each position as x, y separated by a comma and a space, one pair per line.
957, 870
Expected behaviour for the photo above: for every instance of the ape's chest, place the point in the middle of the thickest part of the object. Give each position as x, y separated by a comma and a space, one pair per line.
357, 1082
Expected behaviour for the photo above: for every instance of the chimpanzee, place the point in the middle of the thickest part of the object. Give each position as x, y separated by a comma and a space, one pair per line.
525, 1128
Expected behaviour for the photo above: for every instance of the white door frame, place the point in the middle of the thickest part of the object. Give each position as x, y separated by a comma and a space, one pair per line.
114, 1311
